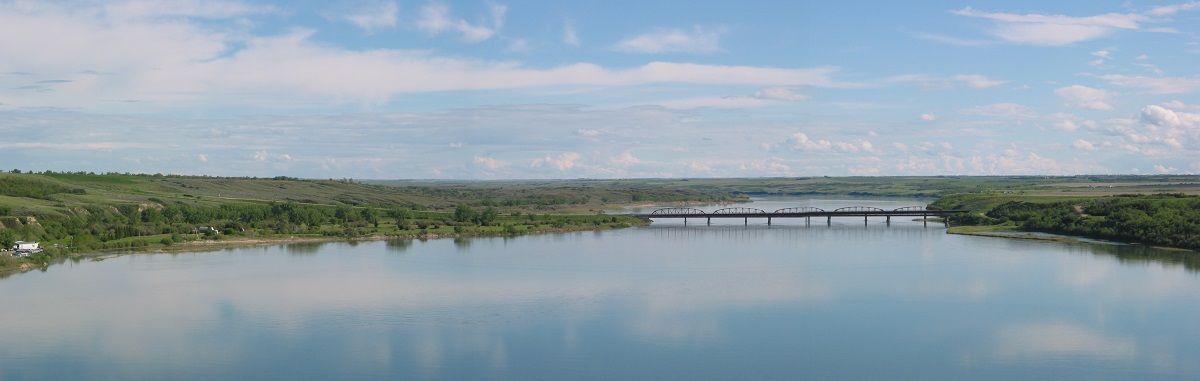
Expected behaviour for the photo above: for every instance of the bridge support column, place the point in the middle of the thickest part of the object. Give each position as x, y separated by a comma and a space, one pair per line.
925, 219
709, 221
768, 221
746, 221
828, 220
889, 220
864, 220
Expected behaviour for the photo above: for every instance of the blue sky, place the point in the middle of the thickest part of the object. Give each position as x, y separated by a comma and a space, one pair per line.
600, 89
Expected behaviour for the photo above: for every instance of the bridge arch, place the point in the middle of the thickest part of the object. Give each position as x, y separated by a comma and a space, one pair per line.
798, 210
858, 209
739, 211
679, 211
912, 209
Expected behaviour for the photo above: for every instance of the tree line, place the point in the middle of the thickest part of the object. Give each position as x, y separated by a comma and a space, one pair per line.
1162, 219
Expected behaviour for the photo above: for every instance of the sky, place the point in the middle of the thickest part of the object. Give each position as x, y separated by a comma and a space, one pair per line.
534, 89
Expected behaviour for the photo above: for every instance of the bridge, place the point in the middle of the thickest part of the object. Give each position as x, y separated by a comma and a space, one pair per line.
806, 212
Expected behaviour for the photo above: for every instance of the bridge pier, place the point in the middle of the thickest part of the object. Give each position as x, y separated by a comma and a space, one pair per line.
864, 220
768, 221
925, 220
709, 221
746, 221
828, 220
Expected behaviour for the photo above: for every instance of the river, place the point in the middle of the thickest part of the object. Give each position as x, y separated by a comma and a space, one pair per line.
736, 300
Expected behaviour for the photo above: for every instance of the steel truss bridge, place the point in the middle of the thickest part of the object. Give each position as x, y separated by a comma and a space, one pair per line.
806, 212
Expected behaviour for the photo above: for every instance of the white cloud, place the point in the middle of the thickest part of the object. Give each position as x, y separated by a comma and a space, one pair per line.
1156, 85
928, 117
179, 64
781, 93
1068, 122
625, 159
1005, 110
435, 19
1164, 117
1085, 97
563, 162
1102, 54
976, 81
208, 9
675, 40
1163, 169
587, 132
379, 16
1053, 30
518, 45
490, 163
1169, 10
972, 81
713, 102
570, 35
800, 141
1083, 145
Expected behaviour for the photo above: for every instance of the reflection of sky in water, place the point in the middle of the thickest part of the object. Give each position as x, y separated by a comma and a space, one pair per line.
663, 302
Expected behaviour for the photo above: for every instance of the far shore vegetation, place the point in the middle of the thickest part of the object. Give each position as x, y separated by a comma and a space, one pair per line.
79, 213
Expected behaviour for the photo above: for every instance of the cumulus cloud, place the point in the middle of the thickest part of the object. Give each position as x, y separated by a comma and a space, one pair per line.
1053, 30
1068, 122
375, 17
1083, 145
800, 141
674, 40
625, 159
563, 162
1164, 117
1085, 97
490, 163
928, 117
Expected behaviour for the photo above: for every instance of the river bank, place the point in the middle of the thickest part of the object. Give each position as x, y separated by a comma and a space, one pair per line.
9, 265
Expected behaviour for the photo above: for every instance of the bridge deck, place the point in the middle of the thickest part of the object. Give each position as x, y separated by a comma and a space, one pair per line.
696, 213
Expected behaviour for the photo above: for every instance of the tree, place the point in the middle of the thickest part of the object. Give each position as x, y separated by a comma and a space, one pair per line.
488, 216
7, 238
463, 213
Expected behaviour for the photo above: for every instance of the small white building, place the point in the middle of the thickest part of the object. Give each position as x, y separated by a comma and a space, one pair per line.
26, 246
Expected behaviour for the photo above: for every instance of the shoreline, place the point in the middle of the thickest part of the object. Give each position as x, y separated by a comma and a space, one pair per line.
1011, 233
203, 246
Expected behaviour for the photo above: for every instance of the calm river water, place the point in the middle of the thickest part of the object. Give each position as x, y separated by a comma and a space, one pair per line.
669, 302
